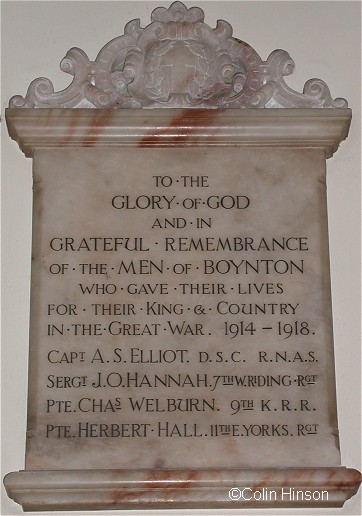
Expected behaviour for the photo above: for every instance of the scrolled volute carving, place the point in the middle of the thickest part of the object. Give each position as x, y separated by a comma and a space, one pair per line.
177, 61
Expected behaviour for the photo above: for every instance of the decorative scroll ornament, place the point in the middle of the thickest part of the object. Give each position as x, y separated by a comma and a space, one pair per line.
177, 62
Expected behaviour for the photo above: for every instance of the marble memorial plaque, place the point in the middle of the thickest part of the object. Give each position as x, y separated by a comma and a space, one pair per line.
181, 331
175, 319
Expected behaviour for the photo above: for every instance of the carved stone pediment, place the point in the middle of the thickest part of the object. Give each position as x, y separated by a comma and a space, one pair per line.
177, 61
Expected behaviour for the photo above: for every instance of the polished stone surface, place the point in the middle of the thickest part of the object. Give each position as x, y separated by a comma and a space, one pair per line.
176, 325
94, 206
109, 128
181, 349
151, 489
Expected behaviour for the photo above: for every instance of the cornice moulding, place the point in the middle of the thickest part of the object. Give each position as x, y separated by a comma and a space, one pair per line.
74, 128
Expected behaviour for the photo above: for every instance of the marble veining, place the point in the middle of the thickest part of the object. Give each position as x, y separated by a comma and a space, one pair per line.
181, 347
111, 128
235, 489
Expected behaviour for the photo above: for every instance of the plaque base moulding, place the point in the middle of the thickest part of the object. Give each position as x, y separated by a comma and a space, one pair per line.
212, 488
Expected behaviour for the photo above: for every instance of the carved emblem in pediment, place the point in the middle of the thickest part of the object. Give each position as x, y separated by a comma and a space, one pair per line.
181, 62
177, 61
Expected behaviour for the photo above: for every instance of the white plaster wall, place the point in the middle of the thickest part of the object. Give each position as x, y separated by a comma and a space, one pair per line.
324, 40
